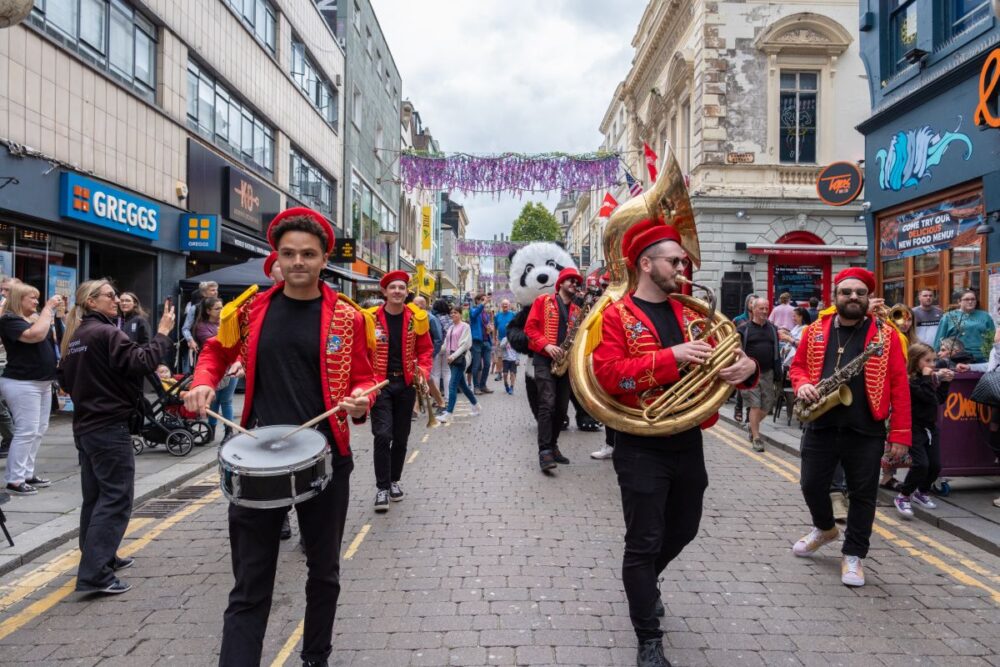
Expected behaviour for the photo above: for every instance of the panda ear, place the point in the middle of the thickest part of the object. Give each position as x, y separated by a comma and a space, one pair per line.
561, 244
510, 257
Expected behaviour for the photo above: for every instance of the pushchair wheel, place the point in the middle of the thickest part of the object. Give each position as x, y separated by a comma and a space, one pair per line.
941, 488
200, 431
137, 444
179, 442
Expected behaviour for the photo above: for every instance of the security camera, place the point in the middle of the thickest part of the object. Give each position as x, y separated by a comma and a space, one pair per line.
181, 189
865, 205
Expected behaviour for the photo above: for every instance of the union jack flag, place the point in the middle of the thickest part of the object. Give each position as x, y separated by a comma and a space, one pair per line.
634, 186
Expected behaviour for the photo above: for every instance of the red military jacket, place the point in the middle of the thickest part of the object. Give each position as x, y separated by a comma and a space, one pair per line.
542, 325
630, 358
417, 347
343, 349
886, 383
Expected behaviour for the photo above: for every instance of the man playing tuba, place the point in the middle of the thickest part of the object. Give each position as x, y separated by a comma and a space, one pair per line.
644, 341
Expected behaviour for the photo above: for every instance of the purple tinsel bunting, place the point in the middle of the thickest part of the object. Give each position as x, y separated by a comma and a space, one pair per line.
510, 172
485, 248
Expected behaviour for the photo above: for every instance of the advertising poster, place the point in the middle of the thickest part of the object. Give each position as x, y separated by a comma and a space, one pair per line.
62, 280
802, 282
943, 225
6, 263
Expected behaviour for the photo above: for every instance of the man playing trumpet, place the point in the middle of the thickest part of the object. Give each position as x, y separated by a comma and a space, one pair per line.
644, 343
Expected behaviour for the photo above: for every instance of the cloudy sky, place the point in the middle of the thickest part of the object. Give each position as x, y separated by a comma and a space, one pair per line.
529, 76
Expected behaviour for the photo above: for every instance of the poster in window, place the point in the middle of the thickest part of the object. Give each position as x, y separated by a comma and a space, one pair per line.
62, 281
6, 263
936, 227
802, 282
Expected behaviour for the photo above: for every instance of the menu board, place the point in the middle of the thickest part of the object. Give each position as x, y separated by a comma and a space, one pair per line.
942, 225
802, 282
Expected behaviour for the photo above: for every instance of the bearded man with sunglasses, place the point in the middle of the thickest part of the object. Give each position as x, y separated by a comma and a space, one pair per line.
852, 435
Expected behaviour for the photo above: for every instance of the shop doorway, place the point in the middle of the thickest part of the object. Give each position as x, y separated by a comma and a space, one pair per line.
800, 273
131, 271
736, 287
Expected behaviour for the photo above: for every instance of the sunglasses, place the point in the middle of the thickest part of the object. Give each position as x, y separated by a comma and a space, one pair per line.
676, 262
847, 291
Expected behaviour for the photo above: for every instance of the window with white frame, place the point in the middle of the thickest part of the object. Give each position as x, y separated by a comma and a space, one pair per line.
260, 18
108, 33
321, 92
356, 107
307, 182
797, 117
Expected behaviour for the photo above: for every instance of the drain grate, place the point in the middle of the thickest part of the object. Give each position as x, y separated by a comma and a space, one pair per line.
158, 509
193, 492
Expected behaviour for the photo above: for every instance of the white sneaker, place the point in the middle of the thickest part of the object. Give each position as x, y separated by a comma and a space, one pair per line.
923, 500
604, 452
996, 502
816, 538
851, 572
444, 417
476, 410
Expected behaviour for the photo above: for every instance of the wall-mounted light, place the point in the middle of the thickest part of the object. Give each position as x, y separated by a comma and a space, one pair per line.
742, 215
987, 227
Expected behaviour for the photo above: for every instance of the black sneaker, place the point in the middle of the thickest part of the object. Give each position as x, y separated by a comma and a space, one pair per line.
315, 663
395, 492
286, 529
116, 587
546, 460
39, 482
559, 458
122, 563
382, 500
22, 489
651, 654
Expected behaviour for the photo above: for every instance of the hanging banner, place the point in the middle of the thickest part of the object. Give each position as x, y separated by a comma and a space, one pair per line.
484, 248
943, 225
425, 227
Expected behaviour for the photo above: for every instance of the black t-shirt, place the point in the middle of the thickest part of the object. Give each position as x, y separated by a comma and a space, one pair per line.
26, 361
288, 387
668, 329
760, 344
395, 324
563, 320
857, 416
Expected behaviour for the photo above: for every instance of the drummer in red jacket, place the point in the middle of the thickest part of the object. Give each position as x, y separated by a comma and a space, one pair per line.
304, 349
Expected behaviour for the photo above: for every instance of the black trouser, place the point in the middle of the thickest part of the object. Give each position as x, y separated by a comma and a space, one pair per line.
582, 416
107, 478
609, 436
839, 481
391, 421
254, 542
553, 402
926, 455
860, 455
662, 493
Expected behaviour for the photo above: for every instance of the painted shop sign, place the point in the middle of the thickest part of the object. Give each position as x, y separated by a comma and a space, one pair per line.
740, 158
942, 225
987, 112
95, 203
839, 183
911, 154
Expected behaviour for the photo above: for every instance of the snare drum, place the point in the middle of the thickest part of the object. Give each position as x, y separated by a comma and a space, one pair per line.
272, 470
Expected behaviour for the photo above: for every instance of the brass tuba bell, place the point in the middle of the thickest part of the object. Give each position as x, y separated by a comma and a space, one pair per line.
700, 393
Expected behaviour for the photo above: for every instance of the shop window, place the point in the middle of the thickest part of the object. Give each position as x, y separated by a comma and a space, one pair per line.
964, 273
322, 94
259, 17
902, 32
311, 185
45, 261
893, 281
798, 117
959, 16
926, 275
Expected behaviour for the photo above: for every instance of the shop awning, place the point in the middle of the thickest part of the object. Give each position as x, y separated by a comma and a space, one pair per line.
351, 275
233, 278
806, 249
245, 241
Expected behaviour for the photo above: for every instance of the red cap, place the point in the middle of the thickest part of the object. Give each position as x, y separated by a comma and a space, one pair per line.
864, 275
566, 274
269, 263
643, 234
393, 276
605, 278
309, 213
592, 280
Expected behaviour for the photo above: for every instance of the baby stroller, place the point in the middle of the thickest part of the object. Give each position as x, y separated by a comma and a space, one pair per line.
165, 421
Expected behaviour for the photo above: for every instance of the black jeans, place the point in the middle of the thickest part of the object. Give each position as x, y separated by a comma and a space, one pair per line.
553, 402
926, 455
253, 536
391, 421
662, 494
860, 455
107, 478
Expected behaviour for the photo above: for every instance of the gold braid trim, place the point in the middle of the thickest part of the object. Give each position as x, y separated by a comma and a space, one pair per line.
876, 366
339, 344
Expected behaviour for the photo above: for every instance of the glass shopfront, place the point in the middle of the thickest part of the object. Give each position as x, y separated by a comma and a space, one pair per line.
30, 255
369, 217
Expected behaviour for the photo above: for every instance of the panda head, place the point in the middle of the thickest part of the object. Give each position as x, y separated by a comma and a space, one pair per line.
534, 269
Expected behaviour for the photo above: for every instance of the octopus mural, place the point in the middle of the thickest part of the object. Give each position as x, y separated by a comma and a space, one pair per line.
912, 153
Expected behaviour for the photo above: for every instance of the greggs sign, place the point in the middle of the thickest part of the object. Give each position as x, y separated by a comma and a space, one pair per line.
93, 202
987, 112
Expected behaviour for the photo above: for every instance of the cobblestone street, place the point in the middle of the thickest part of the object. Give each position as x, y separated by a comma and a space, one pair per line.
488, 562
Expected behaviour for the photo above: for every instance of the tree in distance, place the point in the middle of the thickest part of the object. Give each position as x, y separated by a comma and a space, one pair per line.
535, 223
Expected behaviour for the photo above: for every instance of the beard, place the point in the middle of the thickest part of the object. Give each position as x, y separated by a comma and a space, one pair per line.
666, 284
852, 310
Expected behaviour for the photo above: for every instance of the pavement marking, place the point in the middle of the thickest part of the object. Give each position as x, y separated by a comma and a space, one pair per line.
412, 456
286, 649
35, 610
888, 535
424, 439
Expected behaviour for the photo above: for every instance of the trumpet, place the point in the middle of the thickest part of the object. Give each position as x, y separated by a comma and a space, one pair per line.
424, 399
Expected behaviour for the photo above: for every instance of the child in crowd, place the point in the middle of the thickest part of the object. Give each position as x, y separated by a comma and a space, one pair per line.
928, 389
509, 366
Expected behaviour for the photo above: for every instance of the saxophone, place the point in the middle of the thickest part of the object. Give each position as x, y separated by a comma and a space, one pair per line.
833, 391
561, 365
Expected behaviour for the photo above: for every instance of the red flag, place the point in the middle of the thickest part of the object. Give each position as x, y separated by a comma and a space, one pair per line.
607, 206
650, 162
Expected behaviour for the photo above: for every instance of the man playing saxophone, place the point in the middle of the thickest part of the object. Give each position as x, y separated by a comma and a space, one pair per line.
644, 344
852, 435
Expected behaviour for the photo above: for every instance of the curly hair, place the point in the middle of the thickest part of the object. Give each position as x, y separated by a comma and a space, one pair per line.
300, 223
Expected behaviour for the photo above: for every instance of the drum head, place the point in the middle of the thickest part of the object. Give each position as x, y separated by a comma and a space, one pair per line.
272, 449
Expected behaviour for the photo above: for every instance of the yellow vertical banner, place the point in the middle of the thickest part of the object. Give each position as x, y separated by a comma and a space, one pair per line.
425, 227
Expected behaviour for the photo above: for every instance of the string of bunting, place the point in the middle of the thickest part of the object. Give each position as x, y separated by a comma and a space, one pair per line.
508, 172
485, 248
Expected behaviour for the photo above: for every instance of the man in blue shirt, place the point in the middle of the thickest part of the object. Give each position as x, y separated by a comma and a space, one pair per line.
480, 352
500, 322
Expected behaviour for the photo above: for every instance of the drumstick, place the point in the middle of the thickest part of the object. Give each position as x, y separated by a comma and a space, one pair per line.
316, 420
231, 424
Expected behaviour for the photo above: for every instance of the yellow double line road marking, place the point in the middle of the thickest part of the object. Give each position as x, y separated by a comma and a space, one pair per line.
782, 467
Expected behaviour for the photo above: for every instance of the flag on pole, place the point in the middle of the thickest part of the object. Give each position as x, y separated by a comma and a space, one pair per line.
634, 187
650, 162
607, 206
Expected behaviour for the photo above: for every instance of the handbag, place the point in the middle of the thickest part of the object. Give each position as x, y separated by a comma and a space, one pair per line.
987, 390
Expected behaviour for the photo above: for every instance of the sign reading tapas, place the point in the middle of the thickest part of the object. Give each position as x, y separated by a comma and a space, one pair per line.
839, 183
943, 225
987, 112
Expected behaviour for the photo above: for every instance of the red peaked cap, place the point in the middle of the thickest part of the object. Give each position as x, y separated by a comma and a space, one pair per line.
567, 274
864, 275
308, 213
605, 278
269, 263
643, 234
393, 276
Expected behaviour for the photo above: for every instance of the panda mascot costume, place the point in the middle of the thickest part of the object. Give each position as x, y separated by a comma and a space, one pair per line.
533, 272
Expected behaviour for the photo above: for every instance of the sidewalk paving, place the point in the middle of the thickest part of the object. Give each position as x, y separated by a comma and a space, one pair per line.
43, 521
967, 512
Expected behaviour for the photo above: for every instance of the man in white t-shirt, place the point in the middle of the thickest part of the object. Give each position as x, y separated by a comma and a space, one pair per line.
927, 317
783, 315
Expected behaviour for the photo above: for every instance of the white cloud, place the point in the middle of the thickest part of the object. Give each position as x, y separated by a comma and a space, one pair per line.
527, 76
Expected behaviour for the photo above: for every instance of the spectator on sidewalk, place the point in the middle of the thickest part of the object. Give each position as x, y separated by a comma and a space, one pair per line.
103, 372
510, 358
6, 422
133, 319
205, 289
789, 340
737, 321
972, 327
457, 344
813, 308
207, 326
440, 371
927, 317
759, 338
500, 322
30, 339
480, 349
782, 316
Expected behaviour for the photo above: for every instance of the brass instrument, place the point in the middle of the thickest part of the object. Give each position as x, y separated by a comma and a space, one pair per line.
700, 393
424, 399
834, 390
560, 366
899, 315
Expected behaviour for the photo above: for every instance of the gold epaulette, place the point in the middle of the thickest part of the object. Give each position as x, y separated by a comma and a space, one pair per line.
421, 324
369, 315
229, 321
595, 333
